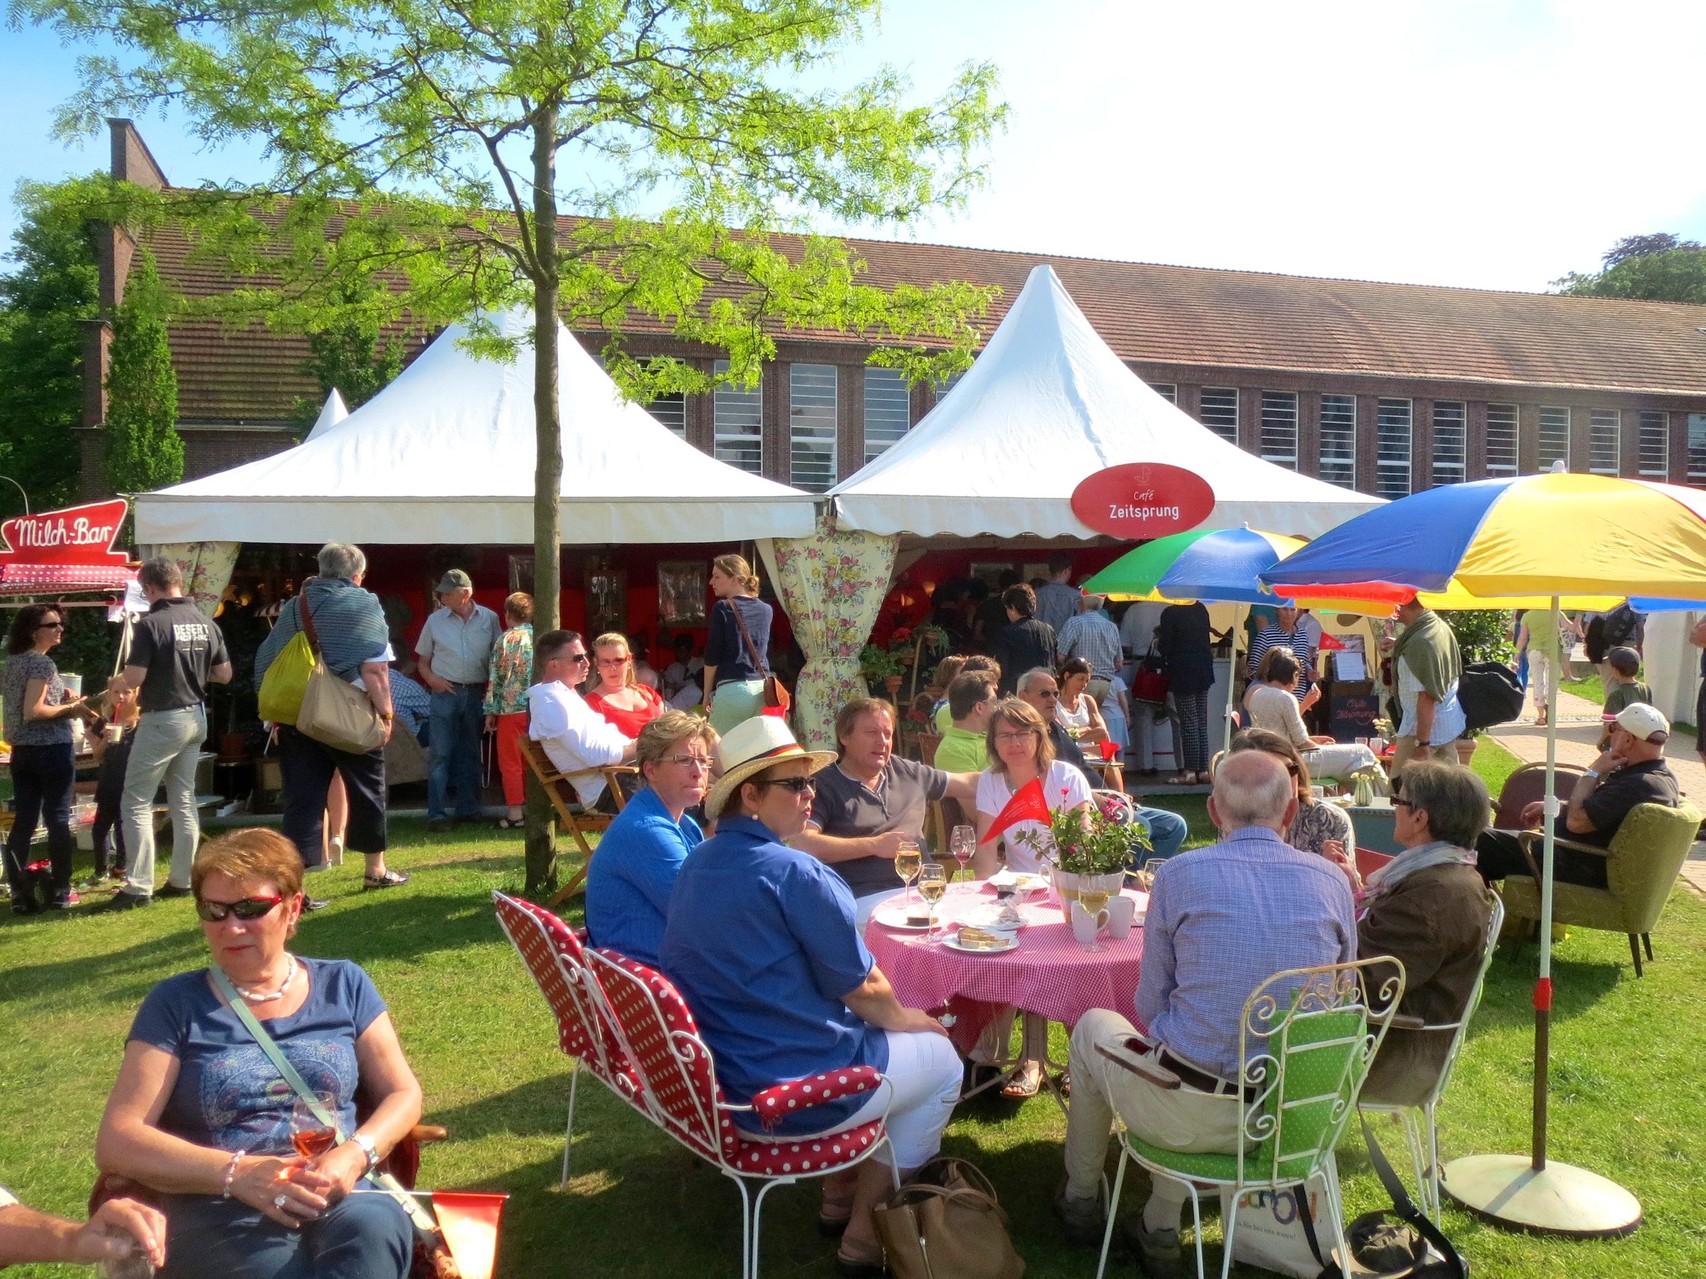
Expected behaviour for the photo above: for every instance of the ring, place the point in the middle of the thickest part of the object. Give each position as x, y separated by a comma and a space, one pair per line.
280, 1200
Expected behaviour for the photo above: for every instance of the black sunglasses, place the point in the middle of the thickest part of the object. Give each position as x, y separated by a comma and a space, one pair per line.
248, 909
799, 785
1399, 802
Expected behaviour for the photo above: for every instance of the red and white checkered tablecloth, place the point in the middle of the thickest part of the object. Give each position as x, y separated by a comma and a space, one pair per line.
1048, 973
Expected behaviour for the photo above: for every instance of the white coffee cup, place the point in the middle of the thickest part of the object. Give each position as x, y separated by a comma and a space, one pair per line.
1122, 911
73, 684
1085, 926
115, 733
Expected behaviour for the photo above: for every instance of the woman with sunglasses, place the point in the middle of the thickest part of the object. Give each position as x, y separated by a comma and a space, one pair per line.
38, 716
202, 1115
629, 882
616, 692
761, 941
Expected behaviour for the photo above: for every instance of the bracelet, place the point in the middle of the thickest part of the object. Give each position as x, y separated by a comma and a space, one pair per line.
387, 716
230, 1174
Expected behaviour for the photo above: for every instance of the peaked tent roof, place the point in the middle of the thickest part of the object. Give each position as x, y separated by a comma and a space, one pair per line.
333, 411
1046, 404
446, 454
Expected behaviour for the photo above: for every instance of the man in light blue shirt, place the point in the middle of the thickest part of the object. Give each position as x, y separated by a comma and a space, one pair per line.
455, 651
1221, 920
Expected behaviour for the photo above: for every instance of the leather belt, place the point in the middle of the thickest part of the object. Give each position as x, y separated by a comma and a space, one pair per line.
1201, 1080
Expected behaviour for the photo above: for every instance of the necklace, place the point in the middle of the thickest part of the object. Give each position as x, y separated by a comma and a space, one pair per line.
289, 976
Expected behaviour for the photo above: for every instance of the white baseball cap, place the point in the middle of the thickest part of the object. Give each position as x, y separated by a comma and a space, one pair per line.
1646, 722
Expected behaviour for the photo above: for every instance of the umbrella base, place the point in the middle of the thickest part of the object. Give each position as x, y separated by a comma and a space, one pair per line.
1560, 1199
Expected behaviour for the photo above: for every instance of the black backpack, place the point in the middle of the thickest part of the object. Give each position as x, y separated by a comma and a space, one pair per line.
1620, 626
1489, 694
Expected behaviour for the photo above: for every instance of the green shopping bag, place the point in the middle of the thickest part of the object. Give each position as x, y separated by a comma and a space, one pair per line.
286, 681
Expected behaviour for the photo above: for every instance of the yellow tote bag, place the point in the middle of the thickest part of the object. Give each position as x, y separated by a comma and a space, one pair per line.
286, 681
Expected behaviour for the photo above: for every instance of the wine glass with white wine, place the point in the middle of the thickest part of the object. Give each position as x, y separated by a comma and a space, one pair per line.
1094, 900
932, 883
906, 864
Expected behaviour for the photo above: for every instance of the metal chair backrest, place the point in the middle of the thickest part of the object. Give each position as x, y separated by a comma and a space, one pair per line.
1307, 1037
676, 1073
1526, 785
556, 960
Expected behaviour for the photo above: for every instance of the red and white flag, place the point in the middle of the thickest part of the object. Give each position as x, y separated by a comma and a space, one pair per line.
1027, 805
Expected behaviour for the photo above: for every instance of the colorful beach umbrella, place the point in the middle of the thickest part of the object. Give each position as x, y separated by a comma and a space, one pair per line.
1556, 534
1222, 565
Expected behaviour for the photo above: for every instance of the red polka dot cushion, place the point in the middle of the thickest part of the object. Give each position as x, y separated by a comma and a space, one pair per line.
801, 1094
810, 1155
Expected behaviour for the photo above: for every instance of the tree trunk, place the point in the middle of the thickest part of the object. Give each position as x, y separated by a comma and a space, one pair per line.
541, 838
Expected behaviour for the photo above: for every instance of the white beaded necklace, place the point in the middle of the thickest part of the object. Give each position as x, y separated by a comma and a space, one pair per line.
289, 976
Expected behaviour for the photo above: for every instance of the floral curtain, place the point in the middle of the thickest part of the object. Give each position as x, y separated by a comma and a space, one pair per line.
832, 585
207, 568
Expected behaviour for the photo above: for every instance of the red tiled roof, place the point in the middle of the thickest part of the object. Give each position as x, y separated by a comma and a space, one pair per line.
1212, 319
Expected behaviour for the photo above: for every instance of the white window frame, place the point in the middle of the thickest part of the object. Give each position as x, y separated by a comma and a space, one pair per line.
1696, 431
1605, 428
814, 409
1392, 463
1226, 428
671, 410
891, 389
1168, 391
1553, 420
1503, 418
1657, 422
1340, 428
1279, 428
1450, 467
737, 417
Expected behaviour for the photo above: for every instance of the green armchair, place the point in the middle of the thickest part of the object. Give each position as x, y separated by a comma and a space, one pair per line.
1642, 864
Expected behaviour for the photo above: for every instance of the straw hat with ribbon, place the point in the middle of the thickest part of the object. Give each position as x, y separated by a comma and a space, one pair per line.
752, 746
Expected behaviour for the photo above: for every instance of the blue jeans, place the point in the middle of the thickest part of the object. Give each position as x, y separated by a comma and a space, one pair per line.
457, 724
359, 1237
1167, 831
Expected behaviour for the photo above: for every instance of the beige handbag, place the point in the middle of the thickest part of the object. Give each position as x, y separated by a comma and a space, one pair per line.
334, 711
946, 1224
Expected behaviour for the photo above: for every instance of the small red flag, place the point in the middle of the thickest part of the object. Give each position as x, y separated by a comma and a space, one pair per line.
469, 1222
1332, 643
1027, 805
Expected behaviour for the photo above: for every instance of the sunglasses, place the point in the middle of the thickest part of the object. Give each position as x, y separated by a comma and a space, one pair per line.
799, 785
579, 659
50, 626
248, 909
1404, 803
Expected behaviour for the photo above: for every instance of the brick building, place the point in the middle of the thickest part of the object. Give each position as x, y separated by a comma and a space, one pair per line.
1386, 388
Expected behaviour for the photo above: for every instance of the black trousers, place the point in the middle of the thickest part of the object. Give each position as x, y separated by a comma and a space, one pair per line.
308, 766
41, 795
108, 832
1498, 854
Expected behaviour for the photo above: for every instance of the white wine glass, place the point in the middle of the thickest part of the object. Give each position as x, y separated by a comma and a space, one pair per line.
962, 843
906, 864
932, 883
1095, 902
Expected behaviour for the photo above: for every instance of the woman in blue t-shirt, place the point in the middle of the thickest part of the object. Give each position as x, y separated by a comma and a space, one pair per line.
202, 1114
734, 681
761, 942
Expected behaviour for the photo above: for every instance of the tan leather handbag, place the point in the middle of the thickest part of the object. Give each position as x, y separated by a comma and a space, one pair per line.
334, 711
946, 1224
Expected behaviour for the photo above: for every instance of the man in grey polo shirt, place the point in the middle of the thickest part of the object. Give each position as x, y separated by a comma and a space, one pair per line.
455, 651
867, 802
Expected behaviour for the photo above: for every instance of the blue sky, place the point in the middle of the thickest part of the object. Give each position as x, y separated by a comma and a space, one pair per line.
1483, 143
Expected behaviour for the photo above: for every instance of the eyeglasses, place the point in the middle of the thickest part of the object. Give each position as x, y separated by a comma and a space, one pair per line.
1023, 735
1404, 803
799, 785
1048, 694
613, 661
50, 626
697, 762
248, 909
579, 659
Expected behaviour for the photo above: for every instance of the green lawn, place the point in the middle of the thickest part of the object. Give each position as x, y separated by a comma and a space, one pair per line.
1626, 1100
1592, 688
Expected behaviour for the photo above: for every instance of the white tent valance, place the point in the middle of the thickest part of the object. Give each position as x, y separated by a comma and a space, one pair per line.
446, 454
1045, 405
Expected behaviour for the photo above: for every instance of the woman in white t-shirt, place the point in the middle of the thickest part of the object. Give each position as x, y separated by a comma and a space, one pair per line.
1020, 752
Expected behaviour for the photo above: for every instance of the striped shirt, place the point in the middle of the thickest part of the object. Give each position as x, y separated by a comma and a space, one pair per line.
1095, 639
1222, 920
1297, 641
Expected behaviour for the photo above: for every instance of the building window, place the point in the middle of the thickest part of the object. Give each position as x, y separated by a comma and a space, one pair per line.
1219, 412
811, 426
1392, 453
1605, 431
1279, 428
1697, 448
948, 383
1166, 390
1451, 441
671, 410
1501, 439
1654, 444
888, 410
1339, 440
738, 424
1554, 438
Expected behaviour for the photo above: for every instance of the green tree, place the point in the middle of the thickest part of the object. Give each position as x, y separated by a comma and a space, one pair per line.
347, 355
1659, 267
144, 449
684, 135
53, 287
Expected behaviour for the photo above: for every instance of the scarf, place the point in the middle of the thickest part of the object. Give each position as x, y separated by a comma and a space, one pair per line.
348, 620
1411, 860
1432, 652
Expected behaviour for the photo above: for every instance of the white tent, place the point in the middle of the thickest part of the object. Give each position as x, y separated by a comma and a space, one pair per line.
333, 411
446, 454
1045, 405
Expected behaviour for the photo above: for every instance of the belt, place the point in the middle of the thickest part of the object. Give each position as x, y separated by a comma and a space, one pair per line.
456, 683
1201, 1080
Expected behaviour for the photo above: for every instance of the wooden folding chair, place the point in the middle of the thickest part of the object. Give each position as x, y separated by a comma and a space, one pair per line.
571, 816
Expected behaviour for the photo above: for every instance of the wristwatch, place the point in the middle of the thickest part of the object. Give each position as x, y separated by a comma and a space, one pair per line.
371, 1147
1591, 772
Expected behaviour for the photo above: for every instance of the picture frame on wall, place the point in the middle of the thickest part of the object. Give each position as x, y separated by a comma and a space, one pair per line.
606, 600
989, 571
521, 574
681, 593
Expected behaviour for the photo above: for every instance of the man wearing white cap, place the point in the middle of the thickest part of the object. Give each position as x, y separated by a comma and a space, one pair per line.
1630, 771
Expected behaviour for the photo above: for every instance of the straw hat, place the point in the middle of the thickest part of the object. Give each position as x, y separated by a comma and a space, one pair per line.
752, 746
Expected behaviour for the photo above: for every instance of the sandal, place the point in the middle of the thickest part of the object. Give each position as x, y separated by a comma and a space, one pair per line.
1181, 779
861, 1264
833, 1216
390, 879
1027, 1083
508, 823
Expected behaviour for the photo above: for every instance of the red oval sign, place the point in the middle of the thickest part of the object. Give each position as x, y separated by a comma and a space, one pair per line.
1142, 500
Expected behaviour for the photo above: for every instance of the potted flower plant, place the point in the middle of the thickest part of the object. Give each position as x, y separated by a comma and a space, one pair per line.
1091, 848
879, 666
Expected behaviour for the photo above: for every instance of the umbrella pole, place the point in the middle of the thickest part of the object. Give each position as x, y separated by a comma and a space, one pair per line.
1530, 1194
1231, 681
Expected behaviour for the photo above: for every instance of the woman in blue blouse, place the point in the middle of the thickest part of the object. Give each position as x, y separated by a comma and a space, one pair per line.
761, 942
629, 882
734, 683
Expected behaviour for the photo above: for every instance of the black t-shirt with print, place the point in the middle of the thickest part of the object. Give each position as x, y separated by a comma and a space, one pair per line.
178, 645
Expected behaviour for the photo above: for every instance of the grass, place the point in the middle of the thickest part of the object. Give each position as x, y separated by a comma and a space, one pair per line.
1626, 1100
1592, 688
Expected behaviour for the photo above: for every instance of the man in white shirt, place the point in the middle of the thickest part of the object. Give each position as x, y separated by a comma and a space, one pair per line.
576, 738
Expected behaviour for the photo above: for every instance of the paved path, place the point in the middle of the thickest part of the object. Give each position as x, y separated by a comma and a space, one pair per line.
1578, 735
